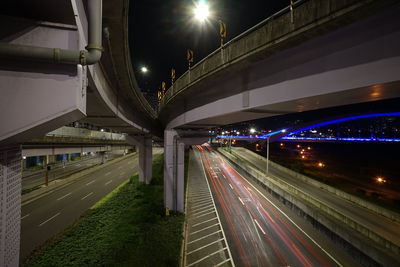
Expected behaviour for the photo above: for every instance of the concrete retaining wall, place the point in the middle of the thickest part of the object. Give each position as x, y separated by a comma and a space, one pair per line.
353, 232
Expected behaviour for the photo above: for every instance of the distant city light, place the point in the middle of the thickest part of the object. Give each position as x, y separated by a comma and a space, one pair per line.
309, 148
24, 157
201, 11
303, 157
144, 69
342, 120
298, 146
321, 165
297, 138
102, 130
252, 130
281, 144
380, 180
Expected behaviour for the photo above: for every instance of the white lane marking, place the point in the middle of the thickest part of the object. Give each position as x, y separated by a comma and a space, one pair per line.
224, 176
86, 195
25, 216
259, 226
231, 186
90, 182
108, 182
298, 227
108, 173
49, 219
216, 212
78, 165
122, 173
241, 200
207, 245
64, 196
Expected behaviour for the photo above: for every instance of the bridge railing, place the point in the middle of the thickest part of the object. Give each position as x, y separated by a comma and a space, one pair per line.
86, 133
263, 35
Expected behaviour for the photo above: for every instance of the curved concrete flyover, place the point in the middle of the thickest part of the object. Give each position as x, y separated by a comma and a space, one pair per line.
38, 96
334, 53
45, 83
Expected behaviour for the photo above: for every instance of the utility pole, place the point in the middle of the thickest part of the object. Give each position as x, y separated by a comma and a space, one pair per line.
268, 155
47, 168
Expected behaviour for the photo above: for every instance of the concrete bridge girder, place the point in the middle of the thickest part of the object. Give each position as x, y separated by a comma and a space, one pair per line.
357, 63
48, 96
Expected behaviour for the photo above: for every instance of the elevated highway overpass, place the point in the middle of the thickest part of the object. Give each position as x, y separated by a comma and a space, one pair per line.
62, 62
70, 61
334, 53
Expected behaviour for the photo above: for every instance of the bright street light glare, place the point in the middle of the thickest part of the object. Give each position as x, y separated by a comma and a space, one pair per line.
201, 11
144, 69
252, 130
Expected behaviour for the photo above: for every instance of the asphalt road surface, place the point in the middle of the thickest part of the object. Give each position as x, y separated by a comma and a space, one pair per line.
35, 178
49, 215
260, 230
381, 225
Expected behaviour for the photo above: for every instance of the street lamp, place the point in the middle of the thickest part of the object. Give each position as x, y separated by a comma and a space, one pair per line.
201, 11
144, 69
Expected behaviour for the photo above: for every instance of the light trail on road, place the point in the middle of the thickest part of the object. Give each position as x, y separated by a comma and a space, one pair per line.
259, 233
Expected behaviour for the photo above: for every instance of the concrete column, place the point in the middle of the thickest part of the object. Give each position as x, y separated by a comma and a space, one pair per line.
180, 179
174, 168
103, 158
145, 146
10, 205
146, 160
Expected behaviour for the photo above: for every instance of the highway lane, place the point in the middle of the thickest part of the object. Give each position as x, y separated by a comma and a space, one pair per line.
49, 215
35, 178
259, 230
381, 225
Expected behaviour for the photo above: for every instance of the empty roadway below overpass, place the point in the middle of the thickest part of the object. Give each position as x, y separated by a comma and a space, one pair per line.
45, 217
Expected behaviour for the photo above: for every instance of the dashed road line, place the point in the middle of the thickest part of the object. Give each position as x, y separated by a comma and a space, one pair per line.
49, 219
108, 173
87, 195
108, 182
25, 216
64, 196
241, 201
259, 226
90, 182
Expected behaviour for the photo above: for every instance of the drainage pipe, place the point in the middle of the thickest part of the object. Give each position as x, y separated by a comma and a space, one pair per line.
90, 56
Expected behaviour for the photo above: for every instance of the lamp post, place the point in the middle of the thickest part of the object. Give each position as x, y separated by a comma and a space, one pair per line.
202, 13
268, 154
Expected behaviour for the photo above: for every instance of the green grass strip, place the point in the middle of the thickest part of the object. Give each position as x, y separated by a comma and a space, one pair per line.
126, 228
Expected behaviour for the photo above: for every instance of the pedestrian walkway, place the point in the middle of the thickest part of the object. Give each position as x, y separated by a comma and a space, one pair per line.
205, 243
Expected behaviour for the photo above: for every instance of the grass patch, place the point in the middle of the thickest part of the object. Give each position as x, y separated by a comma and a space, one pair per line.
28, 190
126, 228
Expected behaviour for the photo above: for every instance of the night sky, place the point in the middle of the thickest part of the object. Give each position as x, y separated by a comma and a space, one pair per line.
160, 32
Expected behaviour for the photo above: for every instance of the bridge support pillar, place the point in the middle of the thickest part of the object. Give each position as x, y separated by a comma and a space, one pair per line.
174, 169
145, 146
10, 205
103, 157
145, 159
